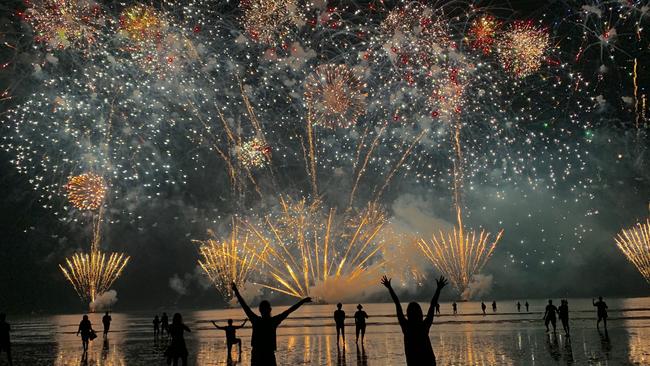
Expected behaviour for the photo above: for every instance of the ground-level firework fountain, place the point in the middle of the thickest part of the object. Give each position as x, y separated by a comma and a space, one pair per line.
635, 244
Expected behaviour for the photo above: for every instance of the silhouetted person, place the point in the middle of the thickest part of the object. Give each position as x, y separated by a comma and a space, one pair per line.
563, 314
360, 323
518, 307
494, 306
231, 335
106, 320
601, 306
417, 345
526, 305
339, 320
86, 331
5, 339
177, 348
550, 315
164, 324
156, 326
437, 308
263, 340
483, 307
455, 307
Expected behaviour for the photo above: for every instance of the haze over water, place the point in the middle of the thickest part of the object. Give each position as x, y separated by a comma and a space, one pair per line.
308, 337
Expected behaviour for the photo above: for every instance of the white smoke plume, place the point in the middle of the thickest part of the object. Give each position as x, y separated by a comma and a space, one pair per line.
480, 285
104, 301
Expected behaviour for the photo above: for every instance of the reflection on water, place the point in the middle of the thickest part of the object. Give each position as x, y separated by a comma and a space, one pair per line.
309, 337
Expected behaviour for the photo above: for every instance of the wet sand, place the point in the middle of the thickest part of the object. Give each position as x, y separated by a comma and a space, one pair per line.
309, 337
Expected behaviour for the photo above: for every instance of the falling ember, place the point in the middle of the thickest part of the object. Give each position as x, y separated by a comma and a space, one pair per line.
270, 21
483, 32
305, 246
334, 96
65, 23
254, 153
522, 48
86, 191
92, 274
228, 261
635, 244
459, 254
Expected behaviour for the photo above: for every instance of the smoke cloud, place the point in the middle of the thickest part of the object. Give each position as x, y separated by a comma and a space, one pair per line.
104, 301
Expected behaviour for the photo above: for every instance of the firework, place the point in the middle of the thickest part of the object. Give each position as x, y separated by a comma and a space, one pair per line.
142, 23
334, 96
92, 274
483, 32
86, 191
254, 153
305, 246
270, 21
635, 244
228, 261
459, 254
65, 23
522, 48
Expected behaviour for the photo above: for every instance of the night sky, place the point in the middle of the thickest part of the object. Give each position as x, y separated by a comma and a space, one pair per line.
588, 167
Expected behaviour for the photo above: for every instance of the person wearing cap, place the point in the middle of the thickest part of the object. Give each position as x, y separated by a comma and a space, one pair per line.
360, 322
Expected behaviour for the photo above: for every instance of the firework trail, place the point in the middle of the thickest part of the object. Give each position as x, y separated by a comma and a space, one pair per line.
635, 244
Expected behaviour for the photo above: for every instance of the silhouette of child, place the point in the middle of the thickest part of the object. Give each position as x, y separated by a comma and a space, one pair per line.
601, 306
360, 322
231, 335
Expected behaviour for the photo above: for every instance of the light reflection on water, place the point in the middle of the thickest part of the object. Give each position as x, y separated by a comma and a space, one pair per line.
309, 337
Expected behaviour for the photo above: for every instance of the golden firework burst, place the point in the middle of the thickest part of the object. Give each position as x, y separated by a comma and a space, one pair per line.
86, 191
270, 21
92, 274
635, 245
334, 96
254, 153
141, 23
522, 48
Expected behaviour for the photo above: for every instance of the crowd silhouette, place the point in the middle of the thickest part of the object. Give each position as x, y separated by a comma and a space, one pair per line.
415, 327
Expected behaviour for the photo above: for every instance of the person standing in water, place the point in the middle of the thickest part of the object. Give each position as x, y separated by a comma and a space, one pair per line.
5, 339
454, 306
526, 305
231, 336
360, 323
177, 348
156, 326
518, 307
86, 330
549, 315
437, 308
264, 325
339, 320
601, 306
483, 307
164, 324
494, 306
106, 320
415, 327
563, 313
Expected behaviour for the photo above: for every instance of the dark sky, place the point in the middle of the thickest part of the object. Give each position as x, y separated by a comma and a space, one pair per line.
554, 245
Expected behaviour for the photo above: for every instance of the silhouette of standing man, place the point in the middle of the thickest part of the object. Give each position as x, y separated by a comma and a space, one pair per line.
106, 320
263, 339
156, 326
5, 340
437, 308
483, 307
231, 335
518, 307
526, 305
563, 312
455, 307
339, 319
417, 345
164, 324
494, 306
360, 323
549, 315
601, 306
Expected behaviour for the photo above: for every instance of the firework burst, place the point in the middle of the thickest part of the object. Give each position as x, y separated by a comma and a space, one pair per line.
305, 246
228, 261
92, 274
635, 244
482, 33
254, 153
86, 191
522, 48
142, 23
65, 23
334, 96
270, 21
